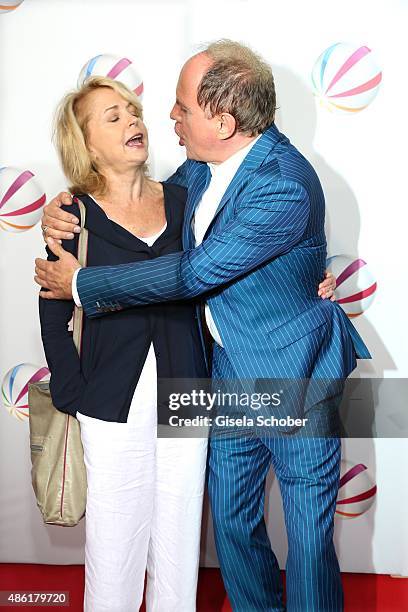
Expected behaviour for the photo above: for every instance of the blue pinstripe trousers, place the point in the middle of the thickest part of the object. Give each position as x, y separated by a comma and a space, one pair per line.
308, 471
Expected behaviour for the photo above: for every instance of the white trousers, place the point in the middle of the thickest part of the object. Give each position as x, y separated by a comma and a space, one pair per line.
143, 511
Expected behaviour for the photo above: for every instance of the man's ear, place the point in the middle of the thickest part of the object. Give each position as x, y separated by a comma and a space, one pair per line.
226, 126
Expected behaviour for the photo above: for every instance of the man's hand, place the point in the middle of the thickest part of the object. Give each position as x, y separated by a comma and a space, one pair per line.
327, 287
56, 275
56, 222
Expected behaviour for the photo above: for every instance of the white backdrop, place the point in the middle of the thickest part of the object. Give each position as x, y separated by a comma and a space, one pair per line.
359, 157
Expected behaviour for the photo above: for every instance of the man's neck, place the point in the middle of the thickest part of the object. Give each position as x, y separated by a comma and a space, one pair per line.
229, 147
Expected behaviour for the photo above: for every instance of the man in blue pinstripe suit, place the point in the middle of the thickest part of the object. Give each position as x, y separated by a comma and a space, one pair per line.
255, 248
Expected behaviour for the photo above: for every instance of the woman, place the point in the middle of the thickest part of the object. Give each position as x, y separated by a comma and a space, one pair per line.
144, 494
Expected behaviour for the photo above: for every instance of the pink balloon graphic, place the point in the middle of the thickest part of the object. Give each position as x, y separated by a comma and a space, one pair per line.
14, 389
346, 78
118, 68
357, 491
21, 199
356, 287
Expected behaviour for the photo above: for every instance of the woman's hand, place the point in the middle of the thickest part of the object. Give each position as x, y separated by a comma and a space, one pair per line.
57, 223
327, 287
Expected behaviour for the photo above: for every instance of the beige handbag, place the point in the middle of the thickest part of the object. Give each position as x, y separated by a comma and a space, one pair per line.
58, 471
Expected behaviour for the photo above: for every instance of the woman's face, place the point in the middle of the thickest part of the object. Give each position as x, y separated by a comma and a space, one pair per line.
116, 137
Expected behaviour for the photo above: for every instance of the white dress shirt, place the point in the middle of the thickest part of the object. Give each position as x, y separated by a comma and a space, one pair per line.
221, 176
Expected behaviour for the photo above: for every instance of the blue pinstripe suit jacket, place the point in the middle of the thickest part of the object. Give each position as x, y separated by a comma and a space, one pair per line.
258, 268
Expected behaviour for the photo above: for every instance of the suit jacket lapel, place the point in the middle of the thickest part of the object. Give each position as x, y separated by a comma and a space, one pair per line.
200, 176
197, 184
252, 161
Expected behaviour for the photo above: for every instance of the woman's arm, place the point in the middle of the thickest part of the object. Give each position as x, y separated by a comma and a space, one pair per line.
67, 383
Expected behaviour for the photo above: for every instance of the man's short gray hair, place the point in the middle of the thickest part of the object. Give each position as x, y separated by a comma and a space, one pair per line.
238, 82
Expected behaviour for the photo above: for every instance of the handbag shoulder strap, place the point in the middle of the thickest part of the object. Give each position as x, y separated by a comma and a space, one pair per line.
82, 257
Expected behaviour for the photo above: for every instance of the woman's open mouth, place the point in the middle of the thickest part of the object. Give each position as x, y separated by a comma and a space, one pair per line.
135, 141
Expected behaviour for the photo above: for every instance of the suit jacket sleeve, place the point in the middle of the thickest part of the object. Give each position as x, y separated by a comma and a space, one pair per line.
67, 383
269, 221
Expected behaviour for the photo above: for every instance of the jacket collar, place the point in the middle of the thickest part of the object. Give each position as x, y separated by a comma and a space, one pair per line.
201, 175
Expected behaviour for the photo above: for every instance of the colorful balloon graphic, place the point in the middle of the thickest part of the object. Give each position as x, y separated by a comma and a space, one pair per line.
357, 491
14, 389
356, 287
21, 199
346, 78
6, 6
117, 68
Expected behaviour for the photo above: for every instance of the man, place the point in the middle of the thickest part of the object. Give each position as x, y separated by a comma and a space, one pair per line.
255, 246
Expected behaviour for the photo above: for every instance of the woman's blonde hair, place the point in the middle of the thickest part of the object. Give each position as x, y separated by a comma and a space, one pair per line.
70, 135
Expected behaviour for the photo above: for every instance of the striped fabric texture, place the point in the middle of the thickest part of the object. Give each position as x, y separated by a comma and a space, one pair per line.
258, 269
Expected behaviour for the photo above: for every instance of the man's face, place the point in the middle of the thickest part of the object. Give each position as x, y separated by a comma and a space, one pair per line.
195, 130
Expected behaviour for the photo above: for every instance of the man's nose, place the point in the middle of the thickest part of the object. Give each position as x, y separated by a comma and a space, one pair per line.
174, 113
